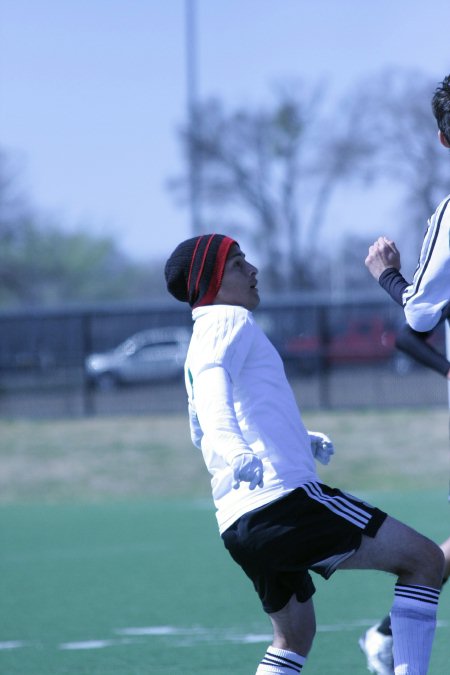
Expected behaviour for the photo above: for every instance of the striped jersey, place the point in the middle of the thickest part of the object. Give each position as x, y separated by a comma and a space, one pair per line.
429, 293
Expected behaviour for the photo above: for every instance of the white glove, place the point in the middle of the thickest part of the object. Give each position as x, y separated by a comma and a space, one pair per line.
321, 446
247, 468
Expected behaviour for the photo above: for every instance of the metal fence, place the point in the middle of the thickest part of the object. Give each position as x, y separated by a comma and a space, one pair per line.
336, 355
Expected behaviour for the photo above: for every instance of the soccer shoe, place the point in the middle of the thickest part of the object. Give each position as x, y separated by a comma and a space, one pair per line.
378, 650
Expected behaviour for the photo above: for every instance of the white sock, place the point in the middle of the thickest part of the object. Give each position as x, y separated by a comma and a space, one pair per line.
280, 662
413, 620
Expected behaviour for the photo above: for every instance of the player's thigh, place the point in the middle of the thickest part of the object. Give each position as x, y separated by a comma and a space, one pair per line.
396, 548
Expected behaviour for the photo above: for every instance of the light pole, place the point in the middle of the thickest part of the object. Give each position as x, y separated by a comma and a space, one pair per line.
192, 114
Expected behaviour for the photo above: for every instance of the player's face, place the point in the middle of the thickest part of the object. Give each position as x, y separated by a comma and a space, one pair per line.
239, 284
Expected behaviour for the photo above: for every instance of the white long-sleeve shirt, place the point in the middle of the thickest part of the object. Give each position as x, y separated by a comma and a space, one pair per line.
239, 394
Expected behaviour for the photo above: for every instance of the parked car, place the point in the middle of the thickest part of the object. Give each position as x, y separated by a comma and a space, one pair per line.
366, 340
148, 356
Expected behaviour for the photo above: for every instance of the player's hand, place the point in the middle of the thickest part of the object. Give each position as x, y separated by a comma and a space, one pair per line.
321, 446
247, 468
382, 254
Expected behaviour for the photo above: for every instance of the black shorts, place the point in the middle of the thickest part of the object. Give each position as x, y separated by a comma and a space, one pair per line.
315, 527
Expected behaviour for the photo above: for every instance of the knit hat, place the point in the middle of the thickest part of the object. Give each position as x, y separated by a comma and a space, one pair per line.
194, 271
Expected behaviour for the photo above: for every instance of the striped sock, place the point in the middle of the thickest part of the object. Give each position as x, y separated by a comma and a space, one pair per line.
413, 619
281, 662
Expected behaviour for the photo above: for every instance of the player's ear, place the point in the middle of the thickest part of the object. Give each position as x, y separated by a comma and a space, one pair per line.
443, 139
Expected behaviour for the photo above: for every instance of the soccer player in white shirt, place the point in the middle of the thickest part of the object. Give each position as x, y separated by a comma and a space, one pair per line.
276, 519
426, 303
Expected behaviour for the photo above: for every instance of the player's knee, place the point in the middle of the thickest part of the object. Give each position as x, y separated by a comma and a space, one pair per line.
434, 558
427, 563
437, 564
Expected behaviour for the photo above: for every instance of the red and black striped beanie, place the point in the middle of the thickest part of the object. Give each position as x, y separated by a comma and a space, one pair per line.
194, 271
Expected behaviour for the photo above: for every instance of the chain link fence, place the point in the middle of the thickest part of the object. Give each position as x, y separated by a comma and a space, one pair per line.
336, 355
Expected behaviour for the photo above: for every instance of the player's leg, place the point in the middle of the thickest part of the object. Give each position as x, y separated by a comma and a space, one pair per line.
418, 564
377, 643
399, 549
294, 627
257, 542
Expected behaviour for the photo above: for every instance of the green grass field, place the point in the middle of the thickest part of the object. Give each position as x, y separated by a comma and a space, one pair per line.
111, 562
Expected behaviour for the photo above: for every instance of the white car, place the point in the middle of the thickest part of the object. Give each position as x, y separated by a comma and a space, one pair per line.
150, 355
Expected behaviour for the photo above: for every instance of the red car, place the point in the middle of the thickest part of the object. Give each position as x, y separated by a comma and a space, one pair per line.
365, 340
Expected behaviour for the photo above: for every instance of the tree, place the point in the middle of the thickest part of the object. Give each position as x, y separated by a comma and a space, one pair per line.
47, 265
393, 110
41, 263
250, 165
14, 213
271, 173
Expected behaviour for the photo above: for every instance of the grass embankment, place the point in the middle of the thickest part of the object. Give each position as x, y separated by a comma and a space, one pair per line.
151, 457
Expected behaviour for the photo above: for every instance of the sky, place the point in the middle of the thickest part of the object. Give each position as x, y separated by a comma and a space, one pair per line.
92, 92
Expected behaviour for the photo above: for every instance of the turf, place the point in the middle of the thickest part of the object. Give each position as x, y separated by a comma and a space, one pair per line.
77, 579
108, 567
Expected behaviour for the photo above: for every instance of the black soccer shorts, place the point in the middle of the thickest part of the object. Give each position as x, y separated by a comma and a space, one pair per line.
314, 527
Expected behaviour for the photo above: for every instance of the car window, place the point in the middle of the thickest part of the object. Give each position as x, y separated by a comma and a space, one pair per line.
162, 349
